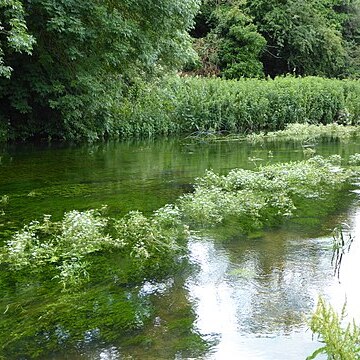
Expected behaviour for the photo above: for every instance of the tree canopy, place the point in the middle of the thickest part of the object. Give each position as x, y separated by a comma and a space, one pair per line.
271, 37
64, 63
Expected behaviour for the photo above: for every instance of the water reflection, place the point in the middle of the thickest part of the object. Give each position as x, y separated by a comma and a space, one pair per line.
253, 310
347, 289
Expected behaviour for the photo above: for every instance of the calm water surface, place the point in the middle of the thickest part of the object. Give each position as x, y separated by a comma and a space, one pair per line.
238, 298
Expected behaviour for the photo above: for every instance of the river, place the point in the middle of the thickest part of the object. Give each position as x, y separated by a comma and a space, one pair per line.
238, 298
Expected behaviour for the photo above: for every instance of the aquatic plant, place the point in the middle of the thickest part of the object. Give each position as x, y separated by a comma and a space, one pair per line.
262, 197
354, 159
62, 244
340, 343
71, 320
148, 245
301, 132
4, 200
151, 242
342, 241
66, 244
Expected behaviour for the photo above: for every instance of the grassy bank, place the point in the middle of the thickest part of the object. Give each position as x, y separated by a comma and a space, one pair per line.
188, 105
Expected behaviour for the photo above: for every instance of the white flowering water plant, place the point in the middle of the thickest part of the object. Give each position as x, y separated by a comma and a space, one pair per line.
148, 239
65, 245
264, 196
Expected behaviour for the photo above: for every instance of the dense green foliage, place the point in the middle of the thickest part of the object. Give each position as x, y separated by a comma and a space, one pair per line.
84, 55
311, 37
188, 105
76, 71
233, 43
340, 343
15, 37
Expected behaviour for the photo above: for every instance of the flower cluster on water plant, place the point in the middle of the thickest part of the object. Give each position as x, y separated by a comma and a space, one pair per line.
147, 237
354, 159
62, 244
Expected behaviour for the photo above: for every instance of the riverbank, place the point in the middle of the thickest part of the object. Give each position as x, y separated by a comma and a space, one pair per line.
191, 105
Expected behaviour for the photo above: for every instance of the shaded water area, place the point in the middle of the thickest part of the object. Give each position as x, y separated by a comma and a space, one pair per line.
235, 297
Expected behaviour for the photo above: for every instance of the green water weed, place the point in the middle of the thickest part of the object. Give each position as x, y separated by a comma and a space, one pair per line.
340, 343
66, 245
354, 159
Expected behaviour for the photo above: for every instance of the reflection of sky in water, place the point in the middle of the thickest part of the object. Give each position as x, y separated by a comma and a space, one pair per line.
347, 288
255, 302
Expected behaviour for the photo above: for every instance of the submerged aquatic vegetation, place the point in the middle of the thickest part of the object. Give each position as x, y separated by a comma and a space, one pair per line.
117, 255
262, 197
340, 343
70, 320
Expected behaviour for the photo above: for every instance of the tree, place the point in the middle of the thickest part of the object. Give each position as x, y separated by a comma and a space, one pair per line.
303, 37
240, 45
349, 16
85, 55
229, 41
13, 33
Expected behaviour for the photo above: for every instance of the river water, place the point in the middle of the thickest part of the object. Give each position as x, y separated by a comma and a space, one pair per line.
238, 298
